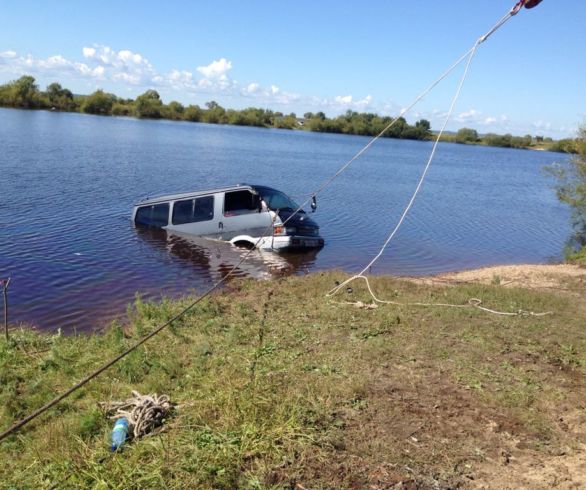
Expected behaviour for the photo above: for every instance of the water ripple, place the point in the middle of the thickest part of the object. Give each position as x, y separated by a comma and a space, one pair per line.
69, 182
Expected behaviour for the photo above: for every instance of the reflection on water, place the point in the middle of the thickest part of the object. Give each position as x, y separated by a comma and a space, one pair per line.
217, 258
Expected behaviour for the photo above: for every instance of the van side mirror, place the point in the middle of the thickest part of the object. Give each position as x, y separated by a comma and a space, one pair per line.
313, 203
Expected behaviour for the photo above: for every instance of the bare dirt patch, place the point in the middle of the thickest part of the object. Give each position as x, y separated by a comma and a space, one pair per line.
564, 472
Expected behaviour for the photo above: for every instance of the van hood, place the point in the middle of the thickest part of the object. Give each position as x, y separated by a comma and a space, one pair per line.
300, 219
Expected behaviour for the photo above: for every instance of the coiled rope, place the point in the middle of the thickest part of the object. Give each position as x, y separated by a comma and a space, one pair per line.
143, 412
469, 54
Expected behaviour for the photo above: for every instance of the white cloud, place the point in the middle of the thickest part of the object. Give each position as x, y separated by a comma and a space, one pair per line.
123, 66
467, 116
345, 102
541, 126
129, 57
98, 71
216, 69
53, 65
251, 88
88, 52
179, 80
132, 79
343, 99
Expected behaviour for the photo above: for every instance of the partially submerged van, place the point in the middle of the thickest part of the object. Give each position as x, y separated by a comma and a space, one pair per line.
240, 214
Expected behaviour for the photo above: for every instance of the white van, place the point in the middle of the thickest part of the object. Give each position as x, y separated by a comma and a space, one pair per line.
240, 214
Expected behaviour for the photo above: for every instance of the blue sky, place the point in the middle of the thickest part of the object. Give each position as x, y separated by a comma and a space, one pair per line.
324, 55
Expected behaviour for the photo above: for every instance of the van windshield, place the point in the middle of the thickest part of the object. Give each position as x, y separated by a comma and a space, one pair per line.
277, 200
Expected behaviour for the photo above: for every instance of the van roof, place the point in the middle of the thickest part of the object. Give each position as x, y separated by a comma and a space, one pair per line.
187, 195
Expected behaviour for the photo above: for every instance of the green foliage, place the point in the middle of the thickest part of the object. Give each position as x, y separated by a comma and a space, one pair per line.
193, 113
215, 113
99, 102
367, 124
250, 116
174, 111
566, 145
571, 190
123, 108
149, 105
60, 98
578, 257
23, 92
466, 135
504, 141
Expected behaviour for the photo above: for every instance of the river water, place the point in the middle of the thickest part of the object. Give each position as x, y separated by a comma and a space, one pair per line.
68, 183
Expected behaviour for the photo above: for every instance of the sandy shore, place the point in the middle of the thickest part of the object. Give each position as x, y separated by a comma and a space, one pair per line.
525, 275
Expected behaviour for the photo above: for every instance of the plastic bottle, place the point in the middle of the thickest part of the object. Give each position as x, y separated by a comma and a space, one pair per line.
119, 433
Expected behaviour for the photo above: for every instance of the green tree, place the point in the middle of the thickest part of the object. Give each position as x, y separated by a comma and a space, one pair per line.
123, 108
23, 92
59, 97
504, 141
149, 105
193, 113
571, 189
26, 91
174, 110
466, 135
565, 145
215, 114
99, 102
396, 130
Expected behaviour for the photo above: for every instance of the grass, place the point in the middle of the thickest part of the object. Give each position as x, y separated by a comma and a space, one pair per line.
277, 386
578, 257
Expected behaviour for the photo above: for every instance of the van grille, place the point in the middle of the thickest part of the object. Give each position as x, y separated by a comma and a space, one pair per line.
307, 231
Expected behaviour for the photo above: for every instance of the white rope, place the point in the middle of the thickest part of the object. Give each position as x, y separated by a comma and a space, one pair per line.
421, 178
379, 135
472, 50
472, 303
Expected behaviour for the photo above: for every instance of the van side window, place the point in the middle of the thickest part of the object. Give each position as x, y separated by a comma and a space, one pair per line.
241, 202
156, 215
193, 210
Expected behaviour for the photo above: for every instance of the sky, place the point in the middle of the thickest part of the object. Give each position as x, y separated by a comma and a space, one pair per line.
308, 56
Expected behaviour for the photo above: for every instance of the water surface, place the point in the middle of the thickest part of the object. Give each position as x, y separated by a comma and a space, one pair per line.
68, 183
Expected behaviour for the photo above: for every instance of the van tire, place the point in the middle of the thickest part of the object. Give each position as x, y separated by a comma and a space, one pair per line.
243, 244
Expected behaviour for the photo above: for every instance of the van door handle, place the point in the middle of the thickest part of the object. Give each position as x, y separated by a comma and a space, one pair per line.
221, 225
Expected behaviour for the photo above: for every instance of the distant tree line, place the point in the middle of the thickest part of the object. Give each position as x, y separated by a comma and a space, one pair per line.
471, 136
25, 93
